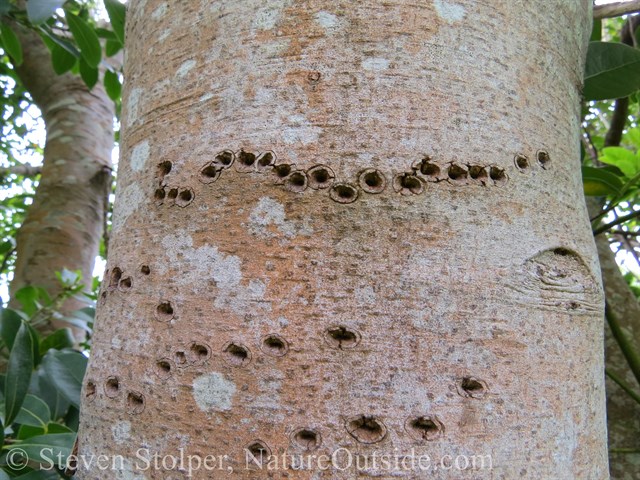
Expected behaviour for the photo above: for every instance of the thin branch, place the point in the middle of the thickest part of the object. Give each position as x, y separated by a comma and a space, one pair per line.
21, 169
617, 221
632, 357
616, 9
624, 450
622, 385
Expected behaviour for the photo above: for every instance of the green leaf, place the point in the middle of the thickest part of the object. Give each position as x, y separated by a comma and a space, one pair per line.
596, 30
34, 412
28, 431
11, 44
88, 73
65, 369
58, 405
62, 59
40, 11
112, 47
633, 136
19, 371
39, 475
112, 85
600, 182
86, 38
11, 323
61, 338
30, 297
624, 159
58, 428
47, 448
612, 71
117, 12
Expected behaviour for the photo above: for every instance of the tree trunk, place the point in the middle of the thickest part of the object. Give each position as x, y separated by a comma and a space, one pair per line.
354, 227
623, 413
64, 225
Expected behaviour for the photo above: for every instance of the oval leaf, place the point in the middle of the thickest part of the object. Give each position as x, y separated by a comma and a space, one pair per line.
112, 85
34, 412
600, 182
116, 12
11, 323
61, 338
11, 44
62, 59
624, 159
65, 369
612, 71
49, 448
86, 38
88, 73
18, 373
40, 11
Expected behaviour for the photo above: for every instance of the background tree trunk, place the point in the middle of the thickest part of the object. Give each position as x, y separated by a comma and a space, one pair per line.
416, 271
64, 225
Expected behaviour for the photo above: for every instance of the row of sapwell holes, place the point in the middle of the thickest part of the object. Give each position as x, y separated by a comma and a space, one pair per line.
120, 281
365, 429
321, 177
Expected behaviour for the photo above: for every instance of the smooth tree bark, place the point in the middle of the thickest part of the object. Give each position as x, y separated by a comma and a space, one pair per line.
64, 225
350, 227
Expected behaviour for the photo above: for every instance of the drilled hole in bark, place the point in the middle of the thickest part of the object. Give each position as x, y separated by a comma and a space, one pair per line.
306, 439
428, 168
282, 170
477, 172
114, 279
159, 194
245, 161
237, 355
180, 357
472, 387
258, 453
320, 177
224, 159
135, 402
163, 368
173, 194
164, 168
145, 270
342, 337
90, 390
275, 345
372, 181
521, 161
457, 172
185, 197
266, 160
543, 158
112, 387
125, 284
497, 174
343, 193
199, 352
408, 184
296, 182
424, 427
164, 311
209, 173
563, 252
366, 429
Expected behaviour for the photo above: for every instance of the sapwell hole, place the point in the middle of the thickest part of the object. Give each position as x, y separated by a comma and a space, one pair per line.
497, 174
424, 427
477, 172
429, 169
472, 387
209, 173
247, 159
112, 387
199, 352
307, 439
163, 368
296, 182
185, 197
114, 279
237, 355
343, 193
224, 158
135, 402
125, 283
366, 429
543, 158
164, 311
521, 161
259, 451
159, 194
90, 390
173, 194
180, 357
164, 168
372, 181
320, 177
145, 270
457, 172
265, 160
274, 345
282, 170
342, 337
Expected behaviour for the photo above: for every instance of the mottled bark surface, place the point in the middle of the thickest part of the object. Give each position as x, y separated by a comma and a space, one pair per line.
351, 225
64, 225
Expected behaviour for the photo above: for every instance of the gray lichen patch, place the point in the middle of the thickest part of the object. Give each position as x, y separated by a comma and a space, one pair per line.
270, 213
213, 393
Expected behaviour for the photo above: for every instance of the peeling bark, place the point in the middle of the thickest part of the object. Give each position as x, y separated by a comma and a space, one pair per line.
63, 227
351, 226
